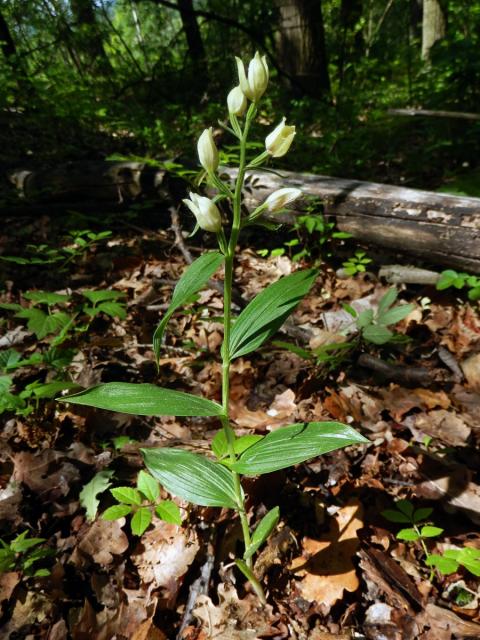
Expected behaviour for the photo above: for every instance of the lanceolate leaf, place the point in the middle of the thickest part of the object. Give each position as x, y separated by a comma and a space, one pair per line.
144, 400
192, 477
194, 278
261, 533
294, 444
266, 313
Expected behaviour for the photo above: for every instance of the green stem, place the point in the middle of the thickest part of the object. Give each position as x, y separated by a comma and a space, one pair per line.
227, 322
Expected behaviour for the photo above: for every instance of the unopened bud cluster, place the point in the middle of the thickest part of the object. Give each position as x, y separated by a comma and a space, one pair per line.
252, 84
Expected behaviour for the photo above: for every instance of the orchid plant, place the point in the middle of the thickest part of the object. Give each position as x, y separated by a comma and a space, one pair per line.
216, 481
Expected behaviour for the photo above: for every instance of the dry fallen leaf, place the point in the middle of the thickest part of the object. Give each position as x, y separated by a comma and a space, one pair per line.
232, 618
102, 540
164, 555
326, 566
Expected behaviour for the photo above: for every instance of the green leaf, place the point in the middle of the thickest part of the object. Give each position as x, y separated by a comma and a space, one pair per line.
192, 280
148, 486
296, 443
392, 316
22, 542
141, 521
395, 516
112, 309
192, 477
144, 400
446, 279
443, 564
387, 300
50, 389
103, 295
376, 334
422, 514
408, 534
220, 445
116, 512
46, 297
127, 495
365, 319
88, 495
469, 558
43, 324
9, 359
266, 313
430, 532
169, 511
261, 533
406, 507
7, 560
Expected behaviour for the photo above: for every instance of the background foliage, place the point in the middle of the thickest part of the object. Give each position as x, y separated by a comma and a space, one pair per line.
88, 78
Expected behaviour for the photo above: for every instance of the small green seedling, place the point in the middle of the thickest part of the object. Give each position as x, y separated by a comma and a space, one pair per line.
357, 263
451, 278
452, 559
374, 326
420, 530
79, 244
23, 554
140, 503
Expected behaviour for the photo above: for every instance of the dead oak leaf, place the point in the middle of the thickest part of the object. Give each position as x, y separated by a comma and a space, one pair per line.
325, 567
47, 473
232, 618
164, 556
282, 410
101, 541
399, 401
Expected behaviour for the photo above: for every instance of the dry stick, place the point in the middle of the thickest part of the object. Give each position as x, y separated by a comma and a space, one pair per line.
200, 585
398, 373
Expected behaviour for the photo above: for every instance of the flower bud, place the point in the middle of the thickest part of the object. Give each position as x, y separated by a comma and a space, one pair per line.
207, 151
205, 211
255, 85
280, 198
237, 102
278, 142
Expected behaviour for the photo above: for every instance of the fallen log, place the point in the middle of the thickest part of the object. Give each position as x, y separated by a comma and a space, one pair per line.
438, 228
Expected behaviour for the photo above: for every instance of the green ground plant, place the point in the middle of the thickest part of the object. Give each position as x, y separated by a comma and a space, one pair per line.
314, 234
459, 280
196, 478
53, 318
23, 554
80, 243
422, 529
357, 263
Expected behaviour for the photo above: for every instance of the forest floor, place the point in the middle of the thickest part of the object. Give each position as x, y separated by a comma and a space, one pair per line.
335, 568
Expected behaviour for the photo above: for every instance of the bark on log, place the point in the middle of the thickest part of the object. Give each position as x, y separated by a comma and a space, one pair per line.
439, 228
113, 182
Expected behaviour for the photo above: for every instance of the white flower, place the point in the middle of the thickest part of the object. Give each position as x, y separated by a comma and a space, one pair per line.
205, 211
278, 142
207, 151
280, 198
255, 85
236, 101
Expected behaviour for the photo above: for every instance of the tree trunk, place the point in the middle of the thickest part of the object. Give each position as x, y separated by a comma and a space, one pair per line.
88, 35
7, 43
301, 44
350, 14
196, 50
433, 26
